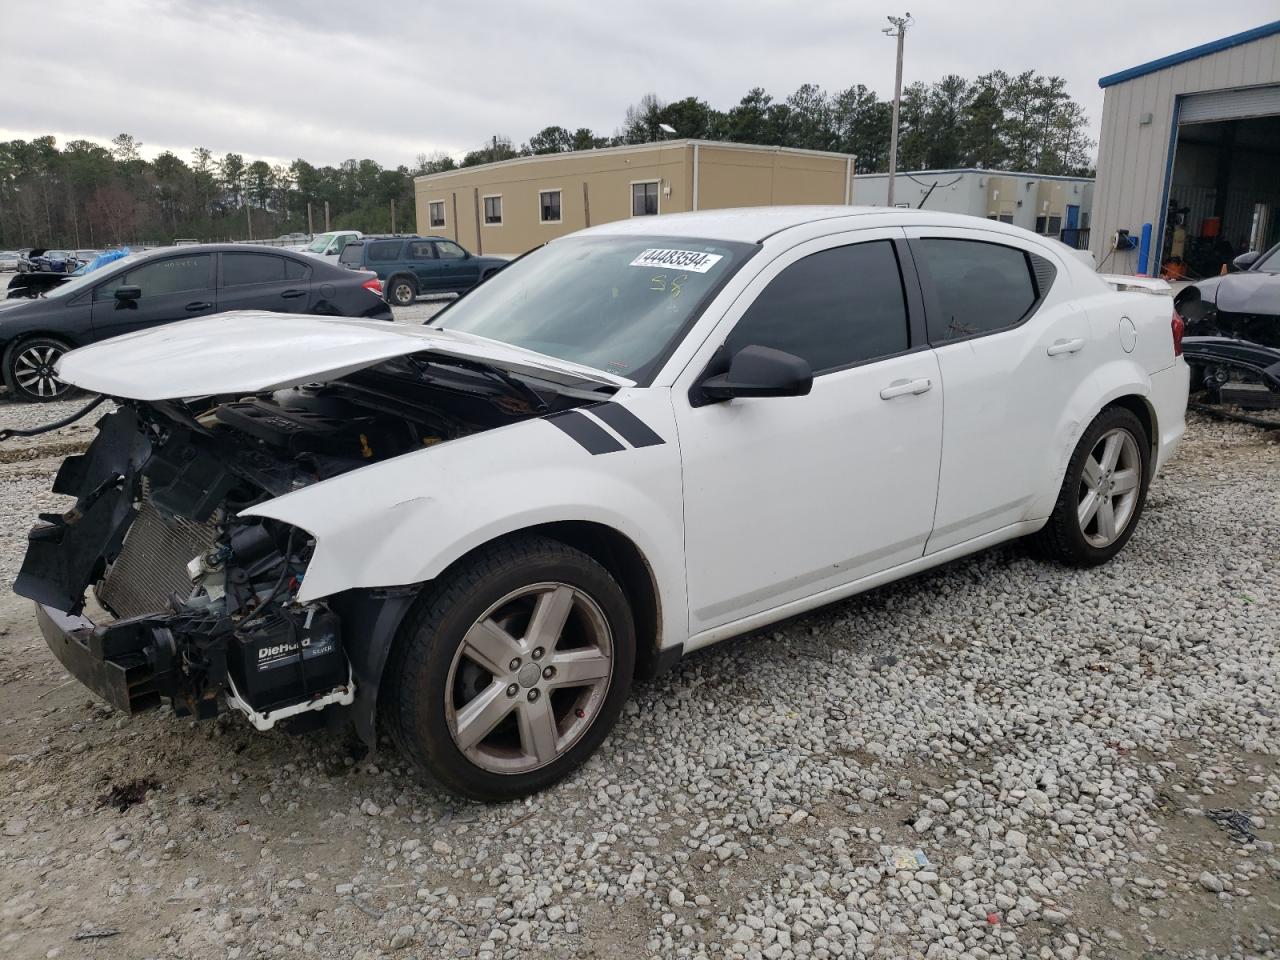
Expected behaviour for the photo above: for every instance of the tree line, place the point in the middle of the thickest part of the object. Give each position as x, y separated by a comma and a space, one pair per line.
88, 195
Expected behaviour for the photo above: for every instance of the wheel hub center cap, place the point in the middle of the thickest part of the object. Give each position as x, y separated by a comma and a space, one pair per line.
529, 674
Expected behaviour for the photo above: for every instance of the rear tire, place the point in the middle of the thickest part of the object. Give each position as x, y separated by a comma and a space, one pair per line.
28, 369
402, 291
511, 670
1103, 493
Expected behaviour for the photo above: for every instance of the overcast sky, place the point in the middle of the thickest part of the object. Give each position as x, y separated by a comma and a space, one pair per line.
330, 79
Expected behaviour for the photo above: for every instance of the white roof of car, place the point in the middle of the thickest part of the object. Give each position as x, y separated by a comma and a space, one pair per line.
752, 224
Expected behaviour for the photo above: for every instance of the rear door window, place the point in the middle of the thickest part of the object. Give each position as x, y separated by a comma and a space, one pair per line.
980, 287
351, 254
422, 250
293, 270
242, 269
834, 308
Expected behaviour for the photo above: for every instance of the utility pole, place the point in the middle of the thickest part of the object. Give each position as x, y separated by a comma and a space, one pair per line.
393, 214
311, 227
248, 218
326, 216
899, 30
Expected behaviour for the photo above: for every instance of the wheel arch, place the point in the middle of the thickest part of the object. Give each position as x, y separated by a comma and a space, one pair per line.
379, 614
1141, 408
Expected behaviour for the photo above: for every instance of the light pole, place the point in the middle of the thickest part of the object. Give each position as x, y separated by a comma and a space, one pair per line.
899, 30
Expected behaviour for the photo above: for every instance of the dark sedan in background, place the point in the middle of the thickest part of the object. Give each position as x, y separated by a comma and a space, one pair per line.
160, 286
1233, 332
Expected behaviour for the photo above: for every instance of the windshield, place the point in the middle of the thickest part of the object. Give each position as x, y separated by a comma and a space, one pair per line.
82, 280
615, 303
1269, 262
319, 243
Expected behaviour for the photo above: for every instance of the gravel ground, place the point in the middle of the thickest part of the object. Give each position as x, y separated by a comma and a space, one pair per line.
998, 759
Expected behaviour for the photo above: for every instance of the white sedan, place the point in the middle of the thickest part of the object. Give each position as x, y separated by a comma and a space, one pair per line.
636, 441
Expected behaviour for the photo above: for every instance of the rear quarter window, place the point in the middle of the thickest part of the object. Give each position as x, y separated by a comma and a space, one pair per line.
384, 251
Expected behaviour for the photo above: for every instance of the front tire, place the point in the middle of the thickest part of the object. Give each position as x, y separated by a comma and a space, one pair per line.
402, 291
1103, 493
28, 369
512, 669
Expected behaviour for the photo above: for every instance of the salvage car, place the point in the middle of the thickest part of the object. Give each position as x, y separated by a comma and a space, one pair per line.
634, 442
1233, 332
158, 286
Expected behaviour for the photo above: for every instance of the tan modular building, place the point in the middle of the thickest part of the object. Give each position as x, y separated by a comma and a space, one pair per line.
1189, 156
515, 205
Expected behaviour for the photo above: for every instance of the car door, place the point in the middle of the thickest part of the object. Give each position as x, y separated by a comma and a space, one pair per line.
253, 280
1013, 348
172, 288
786, 497
458, 269
425, 265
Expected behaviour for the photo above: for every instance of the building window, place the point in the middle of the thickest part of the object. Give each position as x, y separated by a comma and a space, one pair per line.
1006, 218
549, 206
435, 213
644, 199
1055, 226
1040, 222
493, 210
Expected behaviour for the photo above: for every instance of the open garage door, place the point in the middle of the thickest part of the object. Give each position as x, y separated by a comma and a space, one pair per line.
1224, 193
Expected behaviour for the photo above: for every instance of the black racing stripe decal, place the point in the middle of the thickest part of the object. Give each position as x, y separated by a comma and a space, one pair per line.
626, 424
593, 437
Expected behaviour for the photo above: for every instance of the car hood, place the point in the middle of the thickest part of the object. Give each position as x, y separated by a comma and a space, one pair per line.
251, 351
1248, 292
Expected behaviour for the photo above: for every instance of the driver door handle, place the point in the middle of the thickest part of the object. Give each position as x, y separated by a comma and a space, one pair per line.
195, 305
901, 388
1059, 347
293, 294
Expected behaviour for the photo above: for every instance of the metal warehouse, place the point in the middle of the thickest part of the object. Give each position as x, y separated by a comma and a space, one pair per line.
515, 205
1048, 205
1189, 158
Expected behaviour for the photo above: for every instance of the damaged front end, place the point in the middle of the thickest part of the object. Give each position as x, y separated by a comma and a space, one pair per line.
195, 605
1234, 356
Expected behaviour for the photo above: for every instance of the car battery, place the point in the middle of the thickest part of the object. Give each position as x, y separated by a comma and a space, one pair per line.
288, 657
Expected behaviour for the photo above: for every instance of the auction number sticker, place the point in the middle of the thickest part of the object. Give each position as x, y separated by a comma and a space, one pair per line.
690, 260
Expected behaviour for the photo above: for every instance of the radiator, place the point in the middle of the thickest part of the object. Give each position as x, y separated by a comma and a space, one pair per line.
153, 561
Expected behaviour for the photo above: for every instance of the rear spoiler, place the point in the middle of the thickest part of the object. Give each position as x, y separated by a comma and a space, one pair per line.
1138, 284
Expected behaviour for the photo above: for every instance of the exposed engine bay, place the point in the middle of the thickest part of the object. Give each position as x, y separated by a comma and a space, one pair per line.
197, 603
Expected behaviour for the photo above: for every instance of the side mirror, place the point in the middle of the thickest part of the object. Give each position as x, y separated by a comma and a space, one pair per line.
127, 297
758, 371
1246, 260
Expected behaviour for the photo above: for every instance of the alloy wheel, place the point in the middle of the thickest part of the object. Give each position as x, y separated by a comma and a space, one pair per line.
33, 370
403, 293
1110, 482
529, 678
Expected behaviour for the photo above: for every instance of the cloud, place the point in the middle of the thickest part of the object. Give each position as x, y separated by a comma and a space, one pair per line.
327, 80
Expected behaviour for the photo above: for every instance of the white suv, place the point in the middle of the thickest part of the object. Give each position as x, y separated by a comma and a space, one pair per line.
636, 441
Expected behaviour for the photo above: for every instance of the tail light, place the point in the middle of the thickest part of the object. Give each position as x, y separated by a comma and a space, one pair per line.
374, 285
1177, 326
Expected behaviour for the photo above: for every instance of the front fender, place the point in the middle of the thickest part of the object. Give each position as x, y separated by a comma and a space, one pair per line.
404, 521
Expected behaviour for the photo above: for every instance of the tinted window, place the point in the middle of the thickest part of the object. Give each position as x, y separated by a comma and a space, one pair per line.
351, 253
421, 250
449, 251
832, 308
243, 268
293, 270
384, 251
644, 199
981, 287
175, 275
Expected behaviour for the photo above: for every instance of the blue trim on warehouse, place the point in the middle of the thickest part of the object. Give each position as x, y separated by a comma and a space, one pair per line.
1195, 53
